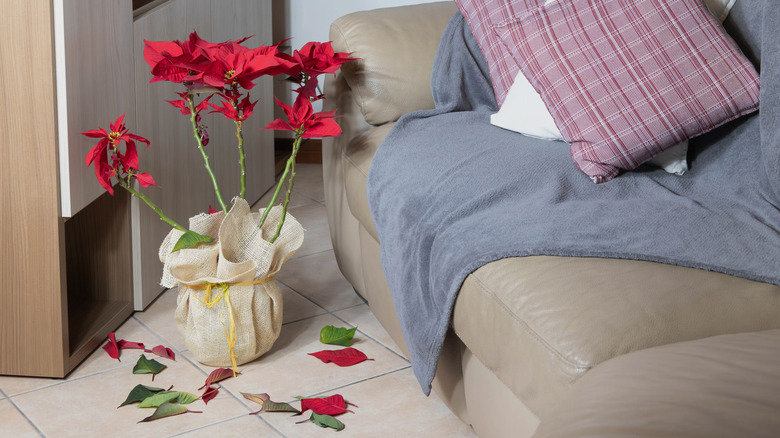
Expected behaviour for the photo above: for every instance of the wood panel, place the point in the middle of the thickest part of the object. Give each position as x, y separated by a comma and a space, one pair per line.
173, 158
31, 268
231, 20
99, 272
98, 87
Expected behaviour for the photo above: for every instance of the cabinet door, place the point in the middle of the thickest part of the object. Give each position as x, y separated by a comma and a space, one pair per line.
94, 70
173, 159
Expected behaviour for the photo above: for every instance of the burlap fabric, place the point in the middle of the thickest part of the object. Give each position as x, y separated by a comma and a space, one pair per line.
241, 254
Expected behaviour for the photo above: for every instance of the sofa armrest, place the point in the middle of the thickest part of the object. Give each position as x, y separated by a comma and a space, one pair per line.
396, 47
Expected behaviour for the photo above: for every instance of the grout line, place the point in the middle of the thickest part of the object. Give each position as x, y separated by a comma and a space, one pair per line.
156, 335
66, 381
356, 382
205, 426
225, 388
302, 295
372, 338
312, 254
10, 400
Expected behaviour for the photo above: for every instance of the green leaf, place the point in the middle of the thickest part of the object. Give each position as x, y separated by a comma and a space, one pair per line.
337, 335
156, 400
190, 239
146, 366
326, 421
139, 394
167, 410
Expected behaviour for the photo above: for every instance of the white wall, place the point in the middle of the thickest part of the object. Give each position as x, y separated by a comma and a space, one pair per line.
309, 20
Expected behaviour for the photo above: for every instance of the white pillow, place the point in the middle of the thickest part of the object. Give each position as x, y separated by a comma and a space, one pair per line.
524, 111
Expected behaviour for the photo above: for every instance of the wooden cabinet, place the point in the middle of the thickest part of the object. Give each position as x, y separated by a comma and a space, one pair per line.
66, 282
74, 261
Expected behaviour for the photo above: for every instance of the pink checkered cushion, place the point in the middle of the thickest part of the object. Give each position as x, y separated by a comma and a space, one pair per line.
627, 79
480, 15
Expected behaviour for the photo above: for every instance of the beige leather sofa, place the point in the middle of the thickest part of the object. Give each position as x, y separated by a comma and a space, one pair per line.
529, 343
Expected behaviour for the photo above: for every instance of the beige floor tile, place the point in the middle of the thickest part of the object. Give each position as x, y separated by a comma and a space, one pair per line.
96, 362
13, 423
315, 222
308, 181
287, 370
90, 404
160, 318
401, 410
244, 426
367, 323
317, 277
297, 307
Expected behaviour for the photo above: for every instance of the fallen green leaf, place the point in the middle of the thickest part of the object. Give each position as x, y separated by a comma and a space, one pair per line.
168, 410
146, 366
139, 394
190, 239
326, 421
337, 335
156, 400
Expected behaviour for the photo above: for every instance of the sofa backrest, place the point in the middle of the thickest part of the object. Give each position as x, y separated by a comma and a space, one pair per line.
396, 47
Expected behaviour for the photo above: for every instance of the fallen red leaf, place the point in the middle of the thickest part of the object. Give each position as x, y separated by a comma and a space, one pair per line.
163, 351
217, 375
210, 393
333, 405
343, 358
130, 345
111, 347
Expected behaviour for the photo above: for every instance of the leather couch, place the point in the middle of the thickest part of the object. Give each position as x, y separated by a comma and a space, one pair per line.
587, 347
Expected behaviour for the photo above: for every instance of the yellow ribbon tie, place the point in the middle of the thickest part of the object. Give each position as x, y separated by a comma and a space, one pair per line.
224, 293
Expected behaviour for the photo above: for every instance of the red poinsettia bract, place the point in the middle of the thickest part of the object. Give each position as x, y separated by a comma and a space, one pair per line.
240, 112
110, 161
312, 60
199, 62
302, 119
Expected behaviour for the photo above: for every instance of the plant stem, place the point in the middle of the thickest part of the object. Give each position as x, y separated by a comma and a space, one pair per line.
194, 122
289, 169
241, 158
148, 202
291, 161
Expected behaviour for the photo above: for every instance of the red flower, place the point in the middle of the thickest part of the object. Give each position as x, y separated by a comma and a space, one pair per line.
239, 112
316, 58
117, 163
302, 120
184, 106
197, 61
234, 64
313, 60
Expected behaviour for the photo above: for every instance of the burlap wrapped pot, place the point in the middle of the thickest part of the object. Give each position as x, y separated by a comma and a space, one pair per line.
231, 280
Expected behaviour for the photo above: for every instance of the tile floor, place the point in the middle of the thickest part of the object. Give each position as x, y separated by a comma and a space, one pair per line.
315, 294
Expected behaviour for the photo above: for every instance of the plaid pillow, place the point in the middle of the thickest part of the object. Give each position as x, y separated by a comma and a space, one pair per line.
627, 79
480, 16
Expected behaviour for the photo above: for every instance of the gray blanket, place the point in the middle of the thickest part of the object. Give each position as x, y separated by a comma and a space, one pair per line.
449, 192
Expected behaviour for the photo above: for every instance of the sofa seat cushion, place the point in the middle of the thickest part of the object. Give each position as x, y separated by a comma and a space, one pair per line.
724, 386
540, 323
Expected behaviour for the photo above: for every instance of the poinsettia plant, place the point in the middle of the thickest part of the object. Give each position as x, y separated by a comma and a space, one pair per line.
227, 70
